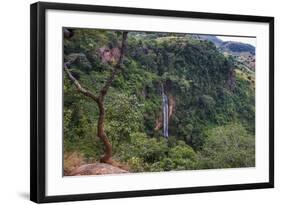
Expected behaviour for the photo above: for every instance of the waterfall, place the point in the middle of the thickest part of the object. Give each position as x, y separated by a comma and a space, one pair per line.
165, 108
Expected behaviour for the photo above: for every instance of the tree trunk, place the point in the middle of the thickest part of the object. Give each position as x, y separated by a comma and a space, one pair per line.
106, 158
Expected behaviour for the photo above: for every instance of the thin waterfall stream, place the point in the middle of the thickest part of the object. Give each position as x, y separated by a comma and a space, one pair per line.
165, 108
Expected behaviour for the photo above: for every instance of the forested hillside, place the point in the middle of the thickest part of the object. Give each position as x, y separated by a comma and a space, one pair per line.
176, 102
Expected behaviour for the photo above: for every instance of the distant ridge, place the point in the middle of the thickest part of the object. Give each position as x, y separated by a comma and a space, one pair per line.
211, 38
228, 46
233, 46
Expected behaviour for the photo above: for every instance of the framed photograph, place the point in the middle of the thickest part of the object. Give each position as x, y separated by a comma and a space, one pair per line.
129, 102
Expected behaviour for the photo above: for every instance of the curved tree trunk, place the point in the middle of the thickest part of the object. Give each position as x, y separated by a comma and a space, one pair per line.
99, 99
106, 158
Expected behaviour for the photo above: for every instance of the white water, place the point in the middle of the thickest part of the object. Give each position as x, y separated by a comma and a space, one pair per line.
165, 108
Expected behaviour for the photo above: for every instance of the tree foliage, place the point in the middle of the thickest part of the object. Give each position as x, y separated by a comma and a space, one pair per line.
212, 126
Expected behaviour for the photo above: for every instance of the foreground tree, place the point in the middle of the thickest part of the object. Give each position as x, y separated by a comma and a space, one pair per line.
98, 97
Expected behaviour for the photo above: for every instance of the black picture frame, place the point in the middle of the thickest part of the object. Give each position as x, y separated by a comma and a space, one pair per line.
38, 101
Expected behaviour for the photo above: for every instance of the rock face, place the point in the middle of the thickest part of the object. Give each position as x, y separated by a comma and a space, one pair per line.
96, 169
109, 55
172, 105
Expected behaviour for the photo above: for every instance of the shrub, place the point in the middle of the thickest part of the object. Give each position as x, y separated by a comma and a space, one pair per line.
228, 146
71, 161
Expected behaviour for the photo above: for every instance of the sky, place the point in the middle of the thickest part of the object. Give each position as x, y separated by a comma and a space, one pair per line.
248, 40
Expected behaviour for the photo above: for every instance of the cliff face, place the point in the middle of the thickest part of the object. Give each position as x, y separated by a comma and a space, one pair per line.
109, 55
172, 105
172, 109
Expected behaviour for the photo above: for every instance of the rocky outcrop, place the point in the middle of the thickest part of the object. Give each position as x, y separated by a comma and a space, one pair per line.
158, 123
109, 55
96, 169
172, 105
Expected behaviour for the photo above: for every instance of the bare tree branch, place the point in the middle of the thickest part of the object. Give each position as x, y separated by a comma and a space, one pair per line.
117, 67
107, 157
79, 87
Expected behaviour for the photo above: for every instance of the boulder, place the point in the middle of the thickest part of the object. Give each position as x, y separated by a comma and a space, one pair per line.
96, 169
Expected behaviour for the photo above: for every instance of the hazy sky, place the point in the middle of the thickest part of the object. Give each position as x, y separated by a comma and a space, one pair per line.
247, 40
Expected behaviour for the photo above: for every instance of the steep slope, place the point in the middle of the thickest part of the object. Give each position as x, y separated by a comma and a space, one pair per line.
207, 89
243, 53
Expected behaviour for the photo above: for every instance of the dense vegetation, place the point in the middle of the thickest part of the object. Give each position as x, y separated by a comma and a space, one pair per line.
212, 102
